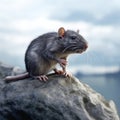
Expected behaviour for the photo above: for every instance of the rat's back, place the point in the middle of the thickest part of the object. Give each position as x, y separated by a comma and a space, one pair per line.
33, 55
39, 44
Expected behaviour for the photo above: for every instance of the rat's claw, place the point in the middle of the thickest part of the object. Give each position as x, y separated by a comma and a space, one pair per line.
62, 63
63, 72
60, 72
67, 74
42, 78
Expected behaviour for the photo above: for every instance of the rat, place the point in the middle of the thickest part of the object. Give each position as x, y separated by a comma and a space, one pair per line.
48, 50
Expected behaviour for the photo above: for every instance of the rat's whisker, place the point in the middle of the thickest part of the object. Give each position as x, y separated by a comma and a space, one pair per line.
68, 48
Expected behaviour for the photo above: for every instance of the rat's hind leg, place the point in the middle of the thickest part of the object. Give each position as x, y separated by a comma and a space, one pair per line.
36, 74
36, 69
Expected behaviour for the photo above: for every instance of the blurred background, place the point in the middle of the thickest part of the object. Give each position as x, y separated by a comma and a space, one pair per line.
21, 21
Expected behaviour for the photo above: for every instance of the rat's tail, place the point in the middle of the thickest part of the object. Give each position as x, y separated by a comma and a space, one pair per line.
17, 77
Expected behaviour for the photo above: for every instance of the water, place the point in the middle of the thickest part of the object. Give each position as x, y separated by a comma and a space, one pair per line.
109, 87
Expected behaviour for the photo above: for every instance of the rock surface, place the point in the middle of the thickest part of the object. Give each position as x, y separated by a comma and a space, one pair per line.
58, 99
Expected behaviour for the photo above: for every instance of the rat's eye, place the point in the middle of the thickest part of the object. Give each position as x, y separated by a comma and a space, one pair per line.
73, 37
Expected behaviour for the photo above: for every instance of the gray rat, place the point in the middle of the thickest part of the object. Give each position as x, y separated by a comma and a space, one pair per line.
44, 52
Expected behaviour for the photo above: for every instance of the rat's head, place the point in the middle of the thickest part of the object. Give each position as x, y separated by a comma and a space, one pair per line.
73, 42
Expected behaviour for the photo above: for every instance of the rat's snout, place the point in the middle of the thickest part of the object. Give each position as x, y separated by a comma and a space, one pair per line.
85, 46
82, 48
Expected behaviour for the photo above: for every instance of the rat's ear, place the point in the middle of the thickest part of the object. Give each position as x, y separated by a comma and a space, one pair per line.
61, 32
78, 31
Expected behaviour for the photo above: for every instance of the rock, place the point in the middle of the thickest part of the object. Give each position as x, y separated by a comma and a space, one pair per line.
5, 69
59, 98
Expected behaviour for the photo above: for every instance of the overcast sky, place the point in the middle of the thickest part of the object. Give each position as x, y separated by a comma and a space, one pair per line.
98, 21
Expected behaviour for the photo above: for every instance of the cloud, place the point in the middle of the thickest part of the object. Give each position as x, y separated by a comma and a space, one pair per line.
22, 21
112, 18
94, 70
88, 11
76, 16
100, 38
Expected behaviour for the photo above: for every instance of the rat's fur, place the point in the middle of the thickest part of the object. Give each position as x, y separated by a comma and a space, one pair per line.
47, 50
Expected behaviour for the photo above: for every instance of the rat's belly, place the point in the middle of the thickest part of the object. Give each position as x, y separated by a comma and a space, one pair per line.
47, 67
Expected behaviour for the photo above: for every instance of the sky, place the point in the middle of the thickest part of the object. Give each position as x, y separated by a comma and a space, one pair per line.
21, 21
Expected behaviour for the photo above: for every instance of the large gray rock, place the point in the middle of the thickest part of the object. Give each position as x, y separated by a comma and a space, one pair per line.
59, 98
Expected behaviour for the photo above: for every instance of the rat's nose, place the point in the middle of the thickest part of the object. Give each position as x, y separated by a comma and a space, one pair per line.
86, 46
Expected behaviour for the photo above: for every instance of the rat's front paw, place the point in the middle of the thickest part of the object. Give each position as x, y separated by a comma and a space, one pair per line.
41, 78
62, 72
62, 62
67, 74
